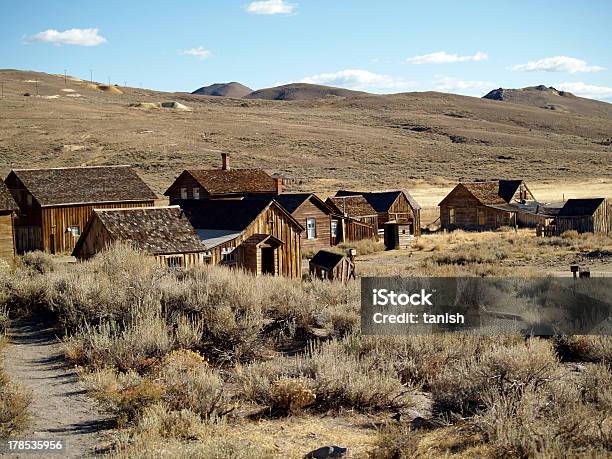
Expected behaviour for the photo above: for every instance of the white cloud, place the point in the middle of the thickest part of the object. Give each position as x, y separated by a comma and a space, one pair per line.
81, 37
558, 64
198, 52
360, 80
270, 7
586, 90
467, 87
442, 57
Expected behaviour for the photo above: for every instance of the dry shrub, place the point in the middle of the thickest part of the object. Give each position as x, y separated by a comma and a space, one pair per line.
159, 421
578, 348
336, 378
363, 247
291, 395
570, 234
464, 255
38, 261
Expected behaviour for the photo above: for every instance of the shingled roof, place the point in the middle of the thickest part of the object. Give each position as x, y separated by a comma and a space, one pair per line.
227, 214
154, 230
580, 207
353, 206
231, 181
291, 201
6, 199
83, 185
382, 201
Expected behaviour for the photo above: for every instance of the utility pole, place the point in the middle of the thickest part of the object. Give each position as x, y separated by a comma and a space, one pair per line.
65, 77
91, 76
37, 88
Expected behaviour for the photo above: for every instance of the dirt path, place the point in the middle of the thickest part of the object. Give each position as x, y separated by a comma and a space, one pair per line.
60, 408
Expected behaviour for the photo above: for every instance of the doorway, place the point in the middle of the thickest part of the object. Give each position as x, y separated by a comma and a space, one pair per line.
267, 260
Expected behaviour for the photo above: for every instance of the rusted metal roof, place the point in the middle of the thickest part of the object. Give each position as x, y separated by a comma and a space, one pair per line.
6, 199
352, 206
234, 181
84, 185
155, 230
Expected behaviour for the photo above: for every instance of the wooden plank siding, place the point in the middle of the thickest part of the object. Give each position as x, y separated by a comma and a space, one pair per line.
402, 213
322, 237
467, 208
7, 250
289, 254
599, 222
53, 233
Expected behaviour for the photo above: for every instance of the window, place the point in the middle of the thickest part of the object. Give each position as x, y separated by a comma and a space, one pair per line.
29, 199
334, 227
452, 216
228, 255
196, 193
183, 193
481, 217
75, 230
311, 228
174, 262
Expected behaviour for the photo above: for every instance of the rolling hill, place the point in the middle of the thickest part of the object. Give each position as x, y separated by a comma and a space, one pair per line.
233, 89
301, 91
551, 99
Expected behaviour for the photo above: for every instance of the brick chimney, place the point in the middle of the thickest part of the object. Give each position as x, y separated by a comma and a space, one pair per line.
225, 161
278, 180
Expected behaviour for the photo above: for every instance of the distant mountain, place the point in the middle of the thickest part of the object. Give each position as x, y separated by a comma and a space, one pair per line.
550, 98
301, 91
233, 89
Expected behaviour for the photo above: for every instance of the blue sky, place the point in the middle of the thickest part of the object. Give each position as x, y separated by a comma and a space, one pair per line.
381, 46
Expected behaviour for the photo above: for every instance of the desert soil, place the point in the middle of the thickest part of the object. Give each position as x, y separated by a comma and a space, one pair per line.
60, 408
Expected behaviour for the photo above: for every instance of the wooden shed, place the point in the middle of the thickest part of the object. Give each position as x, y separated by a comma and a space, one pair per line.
331, 266
256, 234
8, 208
588, 215
353, 218
480, 205
227, 182
162, 232
56, 204
313, 214
393, 206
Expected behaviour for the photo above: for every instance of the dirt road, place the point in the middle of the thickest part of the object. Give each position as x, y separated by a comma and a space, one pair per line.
60, 408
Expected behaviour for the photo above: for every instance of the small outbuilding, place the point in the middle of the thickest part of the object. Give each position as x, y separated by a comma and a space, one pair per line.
587, 215
162, 232
353, 219
8, 208
332, 266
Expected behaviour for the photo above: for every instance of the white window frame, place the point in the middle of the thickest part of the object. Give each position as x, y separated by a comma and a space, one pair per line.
196, 193
183, 193
75, 230
311, 231
334, 227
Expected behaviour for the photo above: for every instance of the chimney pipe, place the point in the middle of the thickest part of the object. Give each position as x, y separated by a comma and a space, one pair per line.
225, 161
278, 180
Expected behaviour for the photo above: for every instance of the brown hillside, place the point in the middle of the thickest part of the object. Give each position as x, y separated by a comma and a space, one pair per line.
301, 91
233, 89
364, 141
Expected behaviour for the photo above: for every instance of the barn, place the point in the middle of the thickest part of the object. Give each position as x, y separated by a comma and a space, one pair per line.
56, 204
227, 182
255, 234
587, 215
162, 232
8, 208
397, 206
313, 214
331, 266
353, 218
483, 205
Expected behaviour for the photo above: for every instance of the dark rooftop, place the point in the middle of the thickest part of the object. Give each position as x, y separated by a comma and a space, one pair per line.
232, 181
580, 207
353, 206
382, 201
6, 199
84, 185
326, 260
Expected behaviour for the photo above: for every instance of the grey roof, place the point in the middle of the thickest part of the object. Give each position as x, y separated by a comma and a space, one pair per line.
83, 185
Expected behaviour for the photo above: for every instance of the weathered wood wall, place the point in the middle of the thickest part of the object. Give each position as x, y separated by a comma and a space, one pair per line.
599, 222
7, 251
289, 254
466, 213
341, 272
323, 221
403, 213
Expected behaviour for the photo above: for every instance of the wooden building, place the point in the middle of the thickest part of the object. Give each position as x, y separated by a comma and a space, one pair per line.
589, 215
200, 184
8, 208
332, 266
483, 205
162, 232
393, 206
353, 218
313, 214
255, 234
56, 204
